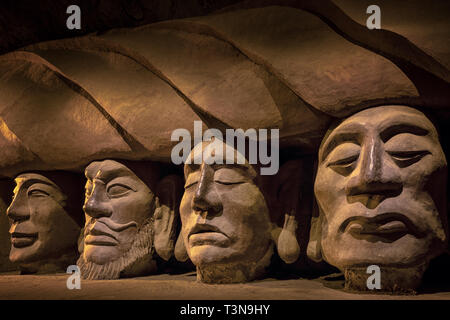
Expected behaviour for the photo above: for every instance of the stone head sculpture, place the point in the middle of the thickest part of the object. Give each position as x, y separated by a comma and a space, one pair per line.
381, 193
130, 219
227, 229
46, 218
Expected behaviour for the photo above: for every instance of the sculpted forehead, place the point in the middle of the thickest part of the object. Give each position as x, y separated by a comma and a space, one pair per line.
106, 170
204, 152
27, 179
380, 117
384, 122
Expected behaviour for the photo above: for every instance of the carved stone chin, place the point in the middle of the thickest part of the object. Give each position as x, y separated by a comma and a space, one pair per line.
235, 272
51, 265
138, 260
392, 279
380, 187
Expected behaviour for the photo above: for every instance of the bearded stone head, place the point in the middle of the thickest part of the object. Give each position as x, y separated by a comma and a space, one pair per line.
130, 219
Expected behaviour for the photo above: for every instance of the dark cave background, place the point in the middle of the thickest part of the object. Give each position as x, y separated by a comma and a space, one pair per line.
24, 22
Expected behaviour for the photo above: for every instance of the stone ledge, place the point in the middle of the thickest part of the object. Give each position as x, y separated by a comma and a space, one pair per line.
181, 287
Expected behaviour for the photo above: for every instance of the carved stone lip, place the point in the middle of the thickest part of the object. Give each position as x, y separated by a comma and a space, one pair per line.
386, 226
103, 240
203, 228
107, 227
99, 234
21, 240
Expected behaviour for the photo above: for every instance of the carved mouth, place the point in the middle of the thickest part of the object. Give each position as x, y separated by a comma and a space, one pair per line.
205, 228
205, 234
386, 227
99, 234
21, 240
100, 241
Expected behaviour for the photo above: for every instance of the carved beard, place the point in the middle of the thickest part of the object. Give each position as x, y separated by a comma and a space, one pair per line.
134, 262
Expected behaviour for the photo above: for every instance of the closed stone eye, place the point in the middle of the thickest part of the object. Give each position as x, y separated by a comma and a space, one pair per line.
192, 179
227, 183
344, 166
407, 158
188, 185
118, 190
37, 193
344, 162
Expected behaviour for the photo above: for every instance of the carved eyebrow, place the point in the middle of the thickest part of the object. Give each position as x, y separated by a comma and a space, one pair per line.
396, 129
246, 168
28, 183
337, 139
107, 175
189, 168
217, 166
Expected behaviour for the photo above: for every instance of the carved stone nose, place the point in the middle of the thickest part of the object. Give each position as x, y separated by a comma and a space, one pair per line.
96, 206
207, 201
374, 179
206, 198
17, 210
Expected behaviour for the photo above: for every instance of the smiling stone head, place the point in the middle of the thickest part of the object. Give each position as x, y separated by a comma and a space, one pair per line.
129, 215
381, 191
45, 216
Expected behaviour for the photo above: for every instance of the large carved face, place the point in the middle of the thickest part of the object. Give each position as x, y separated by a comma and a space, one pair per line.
41, 228
380, 187
117, 205
225, 218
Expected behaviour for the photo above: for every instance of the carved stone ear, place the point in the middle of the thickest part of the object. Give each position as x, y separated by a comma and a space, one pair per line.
166, 215
288, 246
180, 250
314, 249
288, 181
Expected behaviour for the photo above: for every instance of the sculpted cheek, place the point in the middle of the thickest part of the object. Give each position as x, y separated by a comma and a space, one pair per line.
246, 196
185, 205
329, 188
41, 213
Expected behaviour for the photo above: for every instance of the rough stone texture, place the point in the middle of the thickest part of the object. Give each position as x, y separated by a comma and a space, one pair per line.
56, 125
130, 92
427, 27
393, 280
428, 75
23, 22
184, 286
381, 190
275, 60
295, 45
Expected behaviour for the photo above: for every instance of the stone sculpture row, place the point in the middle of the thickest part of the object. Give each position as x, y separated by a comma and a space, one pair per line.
380, 189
